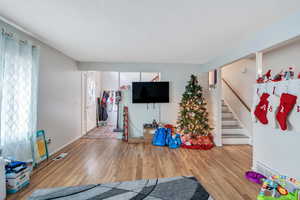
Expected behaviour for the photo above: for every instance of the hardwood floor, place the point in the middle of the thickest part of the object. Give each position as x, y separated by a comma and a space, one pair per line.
90, 161
102, 132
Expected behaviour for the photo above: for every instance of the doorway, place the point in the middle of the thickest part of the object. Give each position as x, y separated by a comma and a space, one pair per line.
100, 92
90, 88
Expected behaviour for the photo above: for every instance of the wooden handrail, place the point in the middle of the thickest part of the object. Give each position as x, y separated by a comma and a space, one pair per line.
236, 94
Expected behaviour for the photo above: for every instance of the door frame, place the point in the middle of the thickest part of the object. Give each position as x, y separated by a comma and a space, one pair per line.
83, 104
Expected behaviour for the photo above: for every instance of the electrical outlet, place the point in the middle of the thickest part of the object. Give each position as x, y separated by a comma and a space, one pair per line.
48, 140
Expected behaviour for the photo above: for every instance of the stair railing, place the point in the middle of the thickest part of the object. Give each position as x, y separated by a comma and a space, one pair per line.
236, 94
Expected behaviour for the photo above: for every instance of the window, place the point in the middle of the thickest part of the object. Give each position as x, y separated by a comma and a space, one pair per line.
115, 80
126, 78
18, 102
110, 80
150, 76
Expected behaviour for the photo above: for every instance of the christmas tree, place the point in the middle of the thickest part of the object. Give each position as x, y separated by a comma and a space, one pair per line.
193, 116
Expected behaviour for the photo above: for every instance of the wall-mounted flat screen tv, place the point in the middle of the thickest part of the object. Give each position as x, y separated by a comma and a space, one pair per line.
150, 92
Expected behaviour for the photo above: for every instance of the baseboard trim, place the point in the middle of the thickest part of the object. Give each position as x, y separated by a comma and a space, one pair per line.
65, 145
92, 129
264, 169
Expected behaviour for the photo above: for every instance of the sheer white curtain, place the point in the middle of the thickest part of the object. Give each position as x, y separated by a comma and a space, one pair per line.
18, 81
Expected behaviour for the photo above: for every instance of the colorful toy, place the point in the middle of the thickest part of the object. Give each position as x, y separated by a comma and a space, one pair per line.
280, 188
255, 177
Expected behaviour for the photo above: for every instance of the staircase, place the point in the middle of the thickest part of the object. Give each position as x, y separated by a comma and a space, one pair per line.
232, 131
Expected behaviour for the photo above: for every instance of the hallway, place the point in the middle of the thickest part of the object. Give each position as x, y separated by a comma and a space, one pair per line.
102, 132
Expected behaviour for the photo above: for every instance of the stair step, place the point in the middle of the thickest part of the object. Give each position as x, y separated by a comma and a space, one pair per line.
236, 140
227, 115
231, 127
225, 109
228, 119
235, 136
231, 122
235, 131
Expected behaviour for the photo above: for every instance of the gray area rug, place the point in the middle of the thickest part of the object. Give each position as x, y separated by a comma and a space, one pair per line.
176, 188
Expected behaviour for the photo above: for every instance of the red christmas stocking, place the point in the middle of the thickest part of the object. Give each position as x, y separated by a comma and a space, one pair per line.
287, 103
262, 109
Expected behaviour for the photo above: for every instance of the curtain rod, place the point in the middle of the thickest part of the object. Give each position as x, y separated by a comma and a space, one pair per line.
11, 34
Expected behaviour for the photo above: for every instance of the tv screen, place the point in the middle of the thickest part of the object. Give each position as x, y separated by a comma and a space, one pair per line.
150, 92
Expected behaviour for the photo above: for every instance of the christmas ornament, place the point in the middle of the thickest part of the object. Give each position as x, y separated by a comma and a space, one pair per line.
267, 76
260, 80
289, 74
264, 78
278, 77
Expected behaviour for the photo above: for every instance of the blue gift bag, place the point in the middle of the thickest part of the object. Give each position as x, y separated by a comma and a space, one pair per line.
173, 141
160, 136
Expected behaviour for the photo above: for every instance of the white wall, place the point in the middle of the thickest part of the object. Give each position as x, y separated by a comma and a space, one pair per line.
178, 80
282, 32
59, 97
138, 113
110, 80
274, 148
164, 112
176, 74
241, 77
282, 58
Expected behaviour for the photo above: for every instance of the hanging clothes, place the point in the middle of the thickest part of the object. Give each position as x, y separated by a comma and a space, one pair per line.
108, 104
103, 106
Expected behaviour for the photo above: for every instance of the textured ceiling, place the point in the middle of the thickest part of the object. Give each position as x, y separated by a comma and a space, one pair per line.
173, 31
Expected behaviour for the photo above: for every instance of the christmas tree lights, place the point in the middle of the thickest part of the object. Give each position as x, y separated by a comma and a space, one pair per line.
193, 115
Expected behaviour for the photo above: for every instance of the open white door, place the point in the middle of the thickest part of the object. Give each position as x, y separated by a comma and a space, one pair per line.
89, 104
